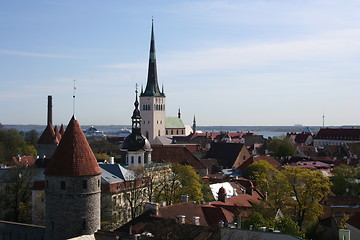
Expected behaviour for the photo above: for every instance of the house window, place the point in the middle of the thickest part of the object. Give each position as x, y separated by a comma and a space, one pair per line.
47, 184
62, 185
52, 225
84, 184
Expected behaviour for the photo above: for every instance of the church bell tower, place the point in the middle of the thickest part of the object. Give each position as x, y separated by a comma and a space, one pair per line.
152, 100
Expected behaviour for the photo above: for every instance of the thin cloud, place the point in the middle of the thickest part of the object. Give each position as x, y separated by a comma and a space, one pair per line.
32, 54
336, 44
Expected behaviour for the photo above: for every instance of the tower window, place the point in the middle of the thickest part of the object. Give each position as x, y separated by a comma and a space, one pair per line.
159, 133
84, 223
84, 183
132, 159
98, 182
139, 159
62, 185
52, 225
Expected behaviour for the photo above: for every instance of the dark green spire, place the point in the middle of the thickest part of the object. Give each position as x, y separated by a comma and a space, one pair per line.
152, 85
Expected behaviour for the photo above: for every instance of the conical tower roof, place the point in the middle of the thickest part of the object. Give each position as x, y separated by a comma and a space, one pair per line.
73, 156
48, 136
152, 85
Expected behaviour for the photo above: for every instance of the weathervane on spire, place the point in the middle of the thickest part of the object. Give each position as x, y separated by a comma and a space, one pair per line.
74, 98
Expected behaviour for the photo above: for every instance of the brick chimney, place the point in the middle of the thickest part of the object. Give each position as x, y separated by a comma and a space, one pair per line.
49, 116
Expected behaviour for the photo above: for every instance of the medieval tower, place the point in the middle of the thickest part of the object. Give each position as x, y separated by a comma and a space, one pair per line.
72, 187
152, 100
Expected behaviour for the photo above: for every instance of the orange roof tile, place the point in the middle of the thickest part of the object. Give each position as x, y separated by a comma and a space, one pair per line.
73, 156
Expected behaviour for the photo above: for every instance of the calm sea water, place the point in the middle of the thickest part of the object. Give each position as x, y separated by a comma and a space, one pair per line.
115, 130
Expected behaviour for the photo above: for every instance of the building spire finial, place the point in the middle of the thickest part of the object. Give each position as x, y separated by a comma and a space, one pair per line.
74, 98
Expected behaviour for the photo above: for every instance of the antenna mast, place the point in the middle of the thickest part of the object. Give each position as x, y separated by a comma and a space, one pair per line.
323, 117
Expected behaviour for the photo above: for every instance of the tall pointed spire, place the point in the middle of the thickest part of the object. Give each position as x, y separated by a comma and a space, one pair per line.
152, 85
194, 125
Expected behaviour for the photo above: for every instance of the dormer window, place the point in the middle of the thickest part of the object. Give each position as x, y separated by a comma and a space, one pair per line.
62, 185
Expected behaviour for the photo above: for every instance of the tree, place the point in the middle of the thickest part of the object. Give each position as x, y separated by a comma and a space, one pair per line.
183, 181
13, 144
15, 197
280, 147
305, 190
190, 182
288, 226
343, 180
268, 180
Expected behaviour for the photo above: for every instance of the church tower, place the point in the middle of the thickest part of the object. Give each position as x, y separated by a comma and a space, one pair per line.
136, 146
72, 187
152, 100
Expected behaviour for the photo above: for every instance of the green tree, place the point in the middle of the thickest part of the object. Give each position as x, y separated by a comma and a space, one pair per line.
183, 181
16, 195
280, 147
190, 182
305, 190
343, 180
206, 191
13, 144
269, 181
288, 226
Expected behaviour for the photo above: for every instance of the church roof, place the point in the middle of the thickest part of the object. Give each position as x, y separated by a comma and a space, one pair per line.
152, 85
174, 122
73, 156
48, 136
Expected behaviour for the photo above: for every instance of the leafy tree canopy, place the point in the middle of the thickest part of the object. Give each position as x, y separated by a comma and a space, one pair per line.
343, 180
13, 144
280, 147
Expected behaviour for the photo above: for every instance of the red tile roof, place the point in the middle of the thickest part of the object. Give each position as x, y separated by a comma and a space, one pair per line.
57, 134
73, 156
189, 209
350, 134
48, 136
24, 160
253, 159
62, 130
354, 220
175, 154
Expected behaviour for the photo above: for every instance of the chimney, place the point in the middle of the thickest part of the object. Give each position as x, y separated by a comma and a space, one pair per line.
184, 198
182, 219
49, 117
196, 220
112, 160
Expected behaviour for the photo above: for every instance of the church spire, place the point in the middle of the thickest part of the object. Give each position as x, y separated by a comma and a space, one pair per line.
136, 117
194, 125
152, 85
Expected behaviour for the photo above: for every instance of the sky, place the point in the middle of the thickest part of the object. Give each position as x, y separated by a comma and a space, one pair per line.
229, 63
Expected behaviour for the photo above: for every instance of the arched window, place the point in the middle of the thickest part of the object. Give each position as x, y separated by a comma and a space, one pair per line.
159, 133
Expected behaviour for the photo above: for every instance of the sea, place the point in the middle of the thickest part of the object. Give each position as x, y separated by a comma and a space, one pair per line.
122, 130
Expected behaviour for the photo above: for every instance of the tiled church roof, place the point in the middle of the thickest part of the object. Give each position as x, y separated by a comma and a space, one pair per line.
73, 156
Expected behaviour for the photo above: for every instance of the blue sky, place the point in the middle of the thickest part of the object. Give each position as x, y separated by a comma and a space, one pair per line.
241, 62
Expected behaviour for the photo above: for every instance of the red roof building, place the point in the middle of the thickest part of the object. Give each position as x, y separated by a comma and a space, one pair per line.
73, 156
